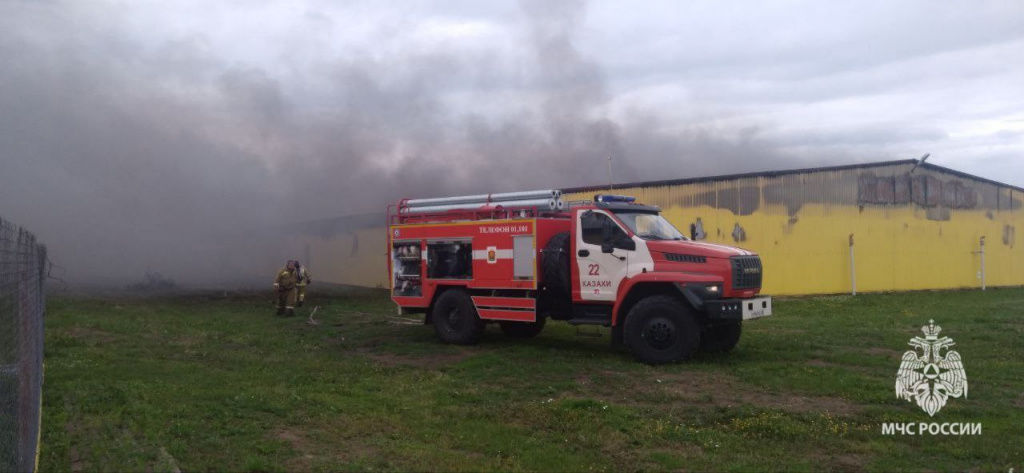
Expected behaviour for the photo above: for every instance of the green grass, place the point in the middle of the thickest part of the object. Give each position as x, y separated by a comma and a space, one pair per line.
218, 383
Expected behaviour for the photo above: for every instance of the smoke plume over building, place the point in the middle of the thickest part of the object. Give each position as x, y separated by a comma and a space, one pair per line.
179, 138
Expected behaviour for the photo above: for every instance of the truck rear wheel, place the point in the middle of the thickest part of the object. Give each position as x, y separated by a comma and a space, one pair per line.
661, 329
455, 318
523, 329
720, 338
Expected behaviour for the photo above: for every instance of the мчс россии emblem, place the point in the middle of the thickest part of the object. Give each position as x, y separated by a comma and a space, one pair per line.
932, 377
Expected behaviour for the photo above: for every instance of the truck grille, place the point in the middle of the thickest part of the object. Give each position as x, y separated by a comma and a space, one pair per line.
746, 272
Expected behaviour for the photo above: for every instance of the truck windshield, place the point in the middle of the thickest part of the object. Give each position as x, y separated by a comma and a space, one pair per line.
649, 226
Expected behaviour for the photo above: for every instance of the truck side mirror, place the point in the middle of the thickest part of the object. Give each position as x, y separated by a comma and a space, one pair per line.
622, 244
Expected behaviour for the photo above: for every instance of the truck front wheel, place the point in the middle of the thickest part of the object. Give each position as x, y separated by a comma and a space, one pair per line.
455, 318
720, 338
661, 329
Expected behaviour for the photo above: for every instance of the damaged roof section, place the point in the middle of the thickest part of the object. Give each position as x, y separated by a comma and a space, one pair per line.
923, 190
937, 189
787, 172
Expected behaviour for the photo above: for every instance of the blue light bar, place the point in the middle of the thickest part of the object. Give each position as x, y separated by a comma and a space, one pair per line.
614, 198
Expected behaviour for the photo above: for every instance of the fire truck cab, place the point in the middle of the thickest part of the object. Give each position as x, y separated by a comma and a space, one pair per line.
521, 260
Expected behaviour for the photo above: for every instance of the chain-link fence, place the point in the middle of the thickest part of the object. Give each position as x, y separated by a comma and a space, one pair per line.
22, 305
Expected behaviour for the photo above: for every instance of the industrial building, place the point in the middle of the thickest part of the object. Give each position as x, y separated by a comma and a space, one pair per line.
888, 226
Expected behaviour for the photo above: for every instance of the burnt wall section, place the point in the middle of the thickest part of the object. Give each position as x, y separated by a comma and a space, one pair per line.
938, 192
332, 227
789, 191
889, 183
740, 200
921, 189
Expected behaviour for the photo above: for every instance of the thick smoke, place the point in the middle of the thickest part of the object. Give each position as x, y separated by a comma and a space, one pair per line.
129, 153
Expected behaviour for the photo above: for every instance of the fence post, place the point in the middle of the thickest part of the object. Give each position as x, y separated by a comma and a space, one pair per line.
981, 274
853, 269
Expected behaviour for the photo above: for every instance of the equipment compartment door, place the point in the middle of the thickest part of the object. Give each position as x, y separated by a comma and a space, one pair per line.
523, 256
406, 268
599, 273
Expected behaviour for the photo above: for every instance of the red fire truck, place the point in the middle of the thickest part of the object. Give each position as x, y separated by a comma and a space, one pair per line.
521, 258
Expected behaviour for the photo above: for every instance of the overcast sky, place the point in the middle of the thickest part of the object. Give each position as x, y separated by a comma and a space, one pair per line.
148, 133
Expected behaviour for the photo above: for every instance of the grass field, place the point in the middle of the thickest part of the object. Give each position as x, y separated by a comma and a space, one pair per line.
215, 382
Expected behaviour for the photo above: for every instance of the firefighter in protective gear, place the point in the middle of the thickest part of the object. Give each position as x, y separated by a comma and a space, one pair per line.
304, 278
284, 284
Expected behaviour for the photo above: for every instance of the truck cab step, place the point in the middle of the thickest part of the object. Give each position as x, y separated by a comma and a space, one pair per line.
606, 321
591, 315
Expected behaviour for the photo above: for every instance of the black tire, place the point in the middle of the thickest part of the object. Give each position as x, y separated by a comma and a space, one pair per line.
455, 318
662, 329
720, 338
522, 329
555, 265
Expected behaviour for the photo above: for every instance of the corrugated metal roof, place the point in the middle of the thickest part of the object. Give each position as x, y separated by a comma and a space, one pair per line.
969, 176
729, 177
374, 220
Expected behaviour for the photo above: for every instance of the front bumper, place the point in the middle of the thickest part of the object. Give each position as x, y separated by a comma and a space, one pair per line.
738, 309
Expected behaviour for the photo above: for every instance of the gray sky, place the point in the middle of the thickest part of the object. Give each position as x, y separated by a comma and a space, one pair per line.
142, 135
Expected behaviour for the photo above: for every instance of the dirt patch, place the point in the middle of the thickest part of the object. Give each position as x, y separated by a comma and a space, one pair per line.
783, 331
700, 388
889, 353
309, 452
850, 462
842, 461
296, 439
425, 360
1014, 326
819, 363
186, 341
166, 462
1020, 401
78, 463
725, 390
304, 460
336, 341
685, 450
91, 334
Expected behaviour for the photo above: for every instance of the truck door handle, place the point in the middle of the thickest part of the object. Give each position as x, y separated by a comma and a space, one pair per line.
583, 253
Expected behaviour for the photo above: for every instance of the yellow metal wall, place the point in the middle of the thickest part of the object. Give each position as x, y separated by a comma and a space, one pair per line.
905, 238
355, 257
800, 225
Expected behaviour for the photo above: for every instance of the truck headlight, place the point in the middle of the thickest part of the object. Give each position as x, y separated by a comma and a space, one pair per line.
700, 291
